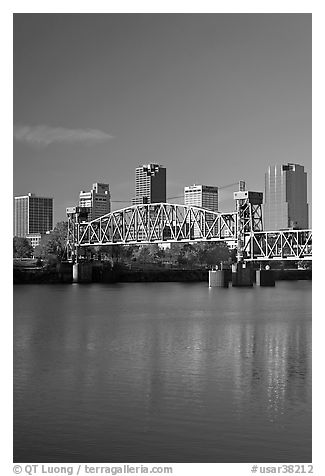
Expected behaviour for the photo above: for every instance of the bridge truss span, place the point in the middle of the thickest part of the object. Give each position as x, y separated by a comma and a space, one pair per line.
172, 223
278, 245
156, 223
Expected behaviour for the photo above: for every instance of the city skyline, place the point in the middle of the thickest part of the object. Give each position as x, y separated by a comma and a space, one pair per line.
141, 188
214, 97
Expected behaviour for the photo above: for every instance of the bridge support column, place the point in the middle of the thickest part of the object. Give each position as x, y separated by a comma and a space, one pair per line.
82, 273
218, 278
241, 276
265, 277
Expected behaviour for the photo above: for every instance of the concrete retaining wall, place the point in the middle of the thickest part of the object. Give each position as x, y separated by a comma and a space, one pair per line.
82, 273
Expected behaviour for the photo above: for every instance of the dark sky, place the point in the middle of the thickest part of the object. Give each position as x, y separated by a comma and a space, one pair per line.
213, 97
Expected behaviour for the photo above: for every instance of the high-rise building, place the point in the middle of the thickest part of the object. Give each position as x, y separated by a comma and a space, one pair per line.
98, 200
285, 203
203, 196
150, 184
33, 217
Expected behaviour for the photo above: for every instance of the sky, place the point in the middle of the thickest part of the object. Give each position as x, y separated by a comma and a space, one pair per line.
213, 97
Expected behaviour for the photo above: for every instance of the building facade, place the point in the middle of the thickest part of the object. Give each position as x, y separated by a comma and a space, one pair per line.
33, 216
150, 184
97, 200
34, 239
203, 196
285, 205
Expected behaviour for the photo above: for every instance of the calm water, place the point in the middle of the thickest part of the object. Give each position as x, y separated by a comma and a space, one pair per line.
162, 372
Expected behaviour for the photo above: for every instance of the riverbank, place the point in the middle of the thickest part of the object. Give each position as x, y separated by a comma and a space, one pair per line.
62, 273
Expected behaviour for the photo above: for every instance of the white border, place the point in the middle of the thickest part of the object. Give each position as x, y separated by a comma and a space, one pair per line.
204, 6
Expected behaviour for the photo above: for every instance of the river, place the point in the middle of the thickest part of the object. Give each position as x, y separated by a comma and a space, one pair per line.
162, 372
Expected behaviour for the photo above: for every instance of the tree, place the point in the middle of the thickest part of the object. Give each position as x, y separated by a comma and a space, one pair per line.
187, 256
22, 248
172, 253
53, 244
233, 255
199, 254
148, 254
210, 254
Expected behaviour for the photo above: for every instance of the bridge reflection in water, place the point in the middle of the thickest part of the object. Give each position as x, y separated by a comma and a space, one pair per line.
162, 372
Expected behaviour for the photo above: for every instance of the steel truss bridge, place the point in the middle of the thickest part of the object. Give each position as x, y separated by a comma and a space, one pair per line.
172, 223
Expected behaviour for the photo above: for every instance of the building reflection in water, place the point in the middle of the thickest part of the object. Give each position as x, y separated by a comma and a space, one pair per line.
110, 359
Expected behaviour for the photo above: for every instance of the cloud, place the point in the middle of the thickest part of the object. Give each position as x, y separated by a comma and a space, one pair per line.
45, 135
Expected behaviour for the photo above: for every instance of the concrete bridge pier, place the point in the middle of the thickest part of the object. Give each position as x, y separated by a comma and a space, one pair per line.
82, 273
265, 277
218, 278
241, 275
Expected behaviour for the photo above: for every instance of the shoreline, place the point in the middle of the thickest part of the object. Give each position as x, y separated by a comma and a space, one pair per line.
100, 274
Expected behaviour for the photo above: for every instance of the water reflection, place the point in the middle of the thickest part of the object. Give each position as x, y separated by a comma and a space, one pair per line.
148, 369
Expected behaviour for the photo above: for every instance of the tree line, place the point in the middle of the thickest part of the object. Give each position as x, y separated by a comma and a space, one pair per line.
51, 247
192, 255
181, 255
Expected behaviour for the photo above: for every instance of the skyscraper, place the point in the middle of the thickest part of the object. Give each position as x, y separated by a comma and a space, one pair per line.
33, 217
285, 197
98, 200
203, 196
150, 184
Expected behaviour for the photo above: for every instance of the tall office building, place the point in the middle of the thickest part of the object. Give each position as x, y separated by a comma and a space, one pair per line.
285, 203
98, 200
150, 184
203, 196
33, 217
